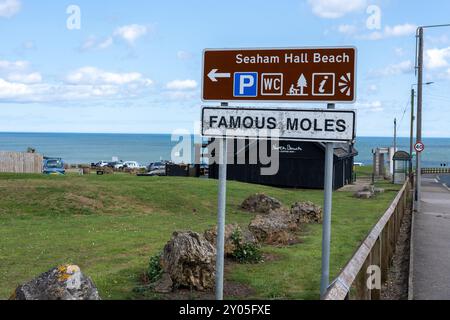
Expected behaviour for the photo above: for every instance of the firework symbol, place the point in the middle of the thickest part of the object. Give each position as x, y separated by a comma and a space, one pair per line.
345, 84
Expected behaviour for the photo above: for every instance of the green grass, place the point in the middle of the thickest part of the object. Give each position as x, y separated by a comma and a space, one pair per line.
111, 225
364, 172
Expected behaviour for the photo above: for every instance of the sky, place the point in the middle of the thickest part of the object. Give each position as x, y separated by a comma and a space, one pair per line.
135, 66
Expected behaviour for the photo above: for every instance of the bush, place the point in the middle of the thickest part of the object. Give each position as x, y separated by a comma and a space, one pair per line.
245, 252
154, 271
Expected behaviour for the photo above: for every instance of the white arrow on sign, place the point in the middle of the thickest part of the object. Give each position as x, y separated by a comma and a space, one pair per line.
213, 75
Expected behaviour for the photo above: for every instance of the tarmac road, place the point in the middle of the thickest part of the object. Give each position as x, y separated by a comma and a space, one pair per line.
431, 241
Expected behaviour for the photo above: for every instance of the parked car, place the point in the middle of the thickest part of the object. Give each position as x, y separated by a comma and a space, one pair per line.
131, 165
53, 166
114, 164
161, 165
101, 164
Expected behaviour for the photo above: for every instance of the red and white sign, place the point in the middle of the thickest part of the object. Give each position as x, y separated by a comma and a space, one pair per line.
419, 147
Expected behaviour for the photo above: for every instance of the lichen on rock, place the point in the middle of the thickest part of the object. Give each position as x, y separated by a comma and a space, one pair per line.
65, 282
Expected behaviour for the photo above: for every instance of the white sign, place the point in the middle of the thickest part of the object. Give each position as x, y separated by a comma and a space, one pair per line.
320, 125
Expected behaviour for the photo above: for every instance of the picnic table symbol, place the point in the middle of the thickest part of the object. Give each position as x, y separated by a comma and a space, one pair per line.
298, 89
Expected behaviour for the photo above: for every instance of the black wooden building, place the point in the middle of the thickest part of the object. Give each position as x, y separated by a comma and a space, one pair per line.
301, 164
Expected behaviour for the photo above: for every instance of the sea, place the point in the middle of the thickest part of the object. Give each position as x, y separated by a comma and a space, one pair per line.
86, 148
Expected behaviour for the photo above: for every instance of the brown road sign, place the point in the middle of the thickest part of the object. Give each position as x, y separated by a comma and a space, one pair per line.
280, 75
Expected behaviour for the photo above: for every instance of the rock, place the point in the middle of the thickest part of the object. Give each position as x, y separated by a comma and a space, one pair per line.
164, 285
307, 212
379, 190
66, 282
211, 236
370, 188
276, 228
363, 195
230, 229
190, 261
260, 203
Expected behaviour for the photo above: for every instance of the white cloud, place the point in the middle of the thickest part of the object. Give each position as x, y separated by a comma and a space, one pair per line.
182, 85
374, 106
10, 90
45, 92
394, 69
400, 30
17, 72
438, 40
92, 43
437, 58
6, 65
130, 33
9, 8
27, 78
95, 76
83, 84
332, 9
106, 43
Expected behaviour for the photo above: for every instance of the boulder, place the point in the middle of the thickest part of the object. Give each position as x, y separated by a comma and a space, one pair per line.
307, 212
164, 285
379, 190
370, 188
66, 282
275, 228
260, 203
363, 195
230, 229
190, 261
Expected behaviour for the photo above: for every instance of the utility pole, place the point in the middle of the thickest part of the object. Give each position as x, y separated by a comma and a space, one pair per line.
419, 117
419, 66
395, 149
411, 138
395, 135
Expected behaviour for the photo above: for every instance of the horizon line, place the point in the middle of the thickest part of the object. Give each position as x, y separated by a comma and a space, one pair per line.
159, 133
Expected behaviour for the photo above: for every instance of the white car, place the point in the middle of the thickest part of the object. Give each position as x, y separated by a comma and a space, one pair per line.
131, 165
102, 164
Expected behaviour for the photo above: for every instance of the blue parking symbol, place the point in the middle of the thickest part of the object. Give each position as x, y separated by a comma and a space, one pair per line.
246, 84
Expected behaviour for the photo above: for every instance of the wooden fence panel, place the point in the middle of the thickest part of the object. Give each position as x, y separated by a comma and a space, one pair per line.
20, 162
377, 250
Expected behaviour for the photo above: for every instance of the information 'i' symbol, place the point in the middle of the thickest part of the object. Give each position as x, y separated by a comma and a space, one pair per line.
345, 84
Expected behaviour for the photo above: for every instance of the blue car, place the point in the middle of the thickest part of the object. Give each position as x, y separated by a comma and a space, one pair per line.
54, 166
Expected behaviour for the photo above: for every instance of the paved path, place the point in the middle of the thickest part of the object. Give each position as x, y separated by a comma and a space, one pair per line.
431, 241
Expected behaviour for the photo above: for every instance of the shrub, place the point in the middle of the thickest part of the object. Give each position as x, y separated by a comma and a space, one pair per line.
154, 271
245, 252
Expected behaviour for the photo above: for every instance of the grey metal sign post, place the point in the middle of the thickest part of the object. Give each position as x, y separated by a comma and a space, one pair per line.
328, 202
221, 208
419, 118
319, 75
291, 124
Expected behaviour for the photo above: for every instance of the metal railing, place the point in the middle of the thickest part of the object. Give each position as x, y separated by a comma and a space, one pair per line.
435, 170
377, 250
